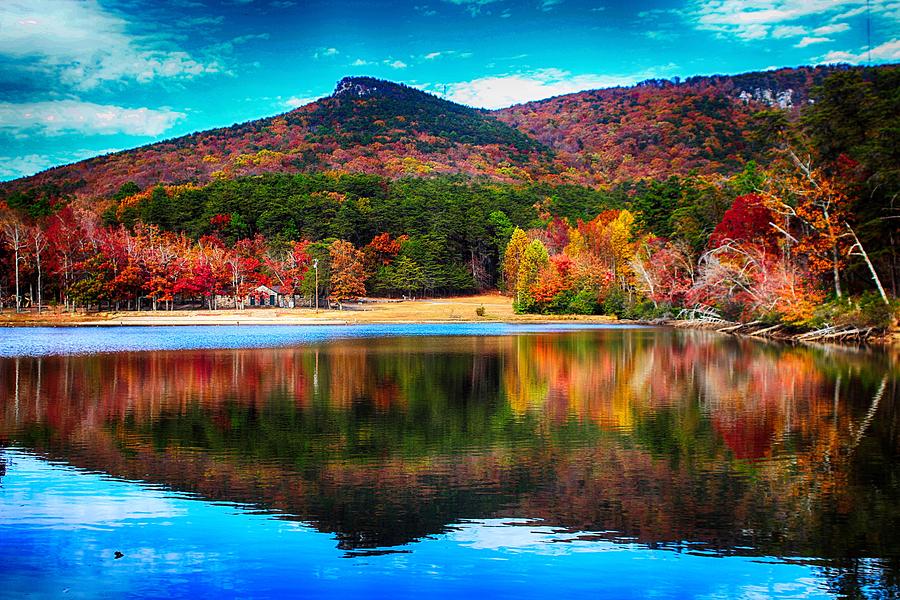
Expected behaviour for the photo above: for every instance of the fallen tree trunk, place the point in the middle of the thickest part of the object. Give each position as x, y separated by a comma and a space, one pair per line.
782, 331
766, 331
732, 328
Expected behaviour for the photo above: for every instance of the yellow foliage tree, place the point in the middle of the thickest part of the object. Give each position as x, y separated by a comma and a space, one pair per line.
512, 258
620, 232
534, 258
577, 245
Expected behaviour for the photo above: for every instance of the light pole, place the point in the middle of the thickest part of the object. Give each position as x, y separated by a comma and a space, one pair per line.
316, 267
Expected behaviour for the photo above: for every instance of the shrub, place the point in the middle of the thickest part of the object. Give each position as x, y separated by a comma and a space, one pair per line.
867, 310
480, 311
561, 303
584, 303
644, 311
614, 304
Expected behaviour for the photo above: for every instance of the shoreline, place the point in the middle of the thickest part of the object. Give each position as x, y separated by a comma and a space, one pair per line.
162, 322
312, 322
777, 333
434, 311
462, 309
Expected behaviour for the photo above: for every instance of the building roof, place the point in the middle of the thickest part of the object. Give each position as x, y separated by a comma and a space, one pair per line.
278, 289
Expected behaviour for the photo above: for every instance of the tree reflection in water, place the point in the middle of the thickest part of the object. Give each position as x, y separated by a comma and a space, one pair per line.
673, 439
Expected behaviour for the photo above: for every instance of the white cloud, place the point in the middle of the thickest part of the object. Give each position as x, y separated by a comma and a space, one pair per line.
661, 35
853, 12
830, 29
200, 21
12, 167
757, 19
72, 116
243, 39
547, 5
473, 7
785, 31
506, 90
471, 2
425, 10
295, 101
326, 52
754, 31
390, 62
447, 54
808, 41
887, 52
227, 46
82, 45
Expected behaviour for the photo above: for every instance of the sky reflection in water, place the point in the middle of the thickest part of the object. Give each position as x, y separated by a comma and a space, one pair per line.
61, 527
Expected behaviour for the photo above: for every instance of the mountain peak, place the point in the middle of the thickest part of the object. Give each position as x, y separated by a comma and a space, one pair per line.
368, 87
358, 87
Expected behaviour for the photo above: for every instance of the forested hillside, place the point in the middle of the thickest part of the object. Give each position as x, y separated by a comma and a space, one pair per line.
659, 127
768, 197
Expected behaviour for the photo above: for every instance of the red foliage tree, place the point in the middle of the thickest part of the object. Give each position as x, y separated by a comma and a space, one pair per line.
383, 248
748, 220
557, 235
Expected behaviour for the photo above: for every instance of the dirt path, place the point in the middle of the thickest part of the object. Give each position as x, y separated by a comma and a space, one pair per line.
437, 310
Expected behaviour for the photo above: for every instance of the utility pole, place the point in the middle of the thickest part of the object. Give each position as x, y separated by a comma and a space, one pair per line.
316, 267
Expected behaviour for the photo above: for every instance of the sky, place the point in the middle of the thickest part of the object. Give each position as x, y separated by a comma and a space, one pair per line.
80, 78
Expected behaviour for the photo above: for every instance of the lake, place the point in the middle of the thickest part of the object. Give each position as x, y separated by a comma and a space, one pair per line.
508, 461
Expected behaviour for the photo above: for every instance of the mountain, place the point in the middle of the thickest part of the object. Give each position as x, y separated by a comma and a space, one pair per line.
653, 129
661, 127
366, 125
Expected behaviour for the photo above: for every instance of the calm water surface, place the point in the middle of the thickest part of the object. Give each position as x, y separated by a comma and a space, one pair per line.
445, 461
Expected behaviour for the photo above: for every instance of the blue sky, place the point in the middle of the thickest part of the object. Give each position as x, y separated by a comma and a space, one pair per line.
85, 77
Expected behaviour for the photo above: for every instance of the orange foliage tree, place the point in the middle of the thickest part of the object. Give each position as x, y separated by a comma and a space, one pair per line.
347, 272
814, 210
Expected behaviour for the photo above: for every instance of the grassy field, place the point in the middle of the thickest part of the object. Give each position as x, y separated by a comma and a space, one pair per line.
456, 309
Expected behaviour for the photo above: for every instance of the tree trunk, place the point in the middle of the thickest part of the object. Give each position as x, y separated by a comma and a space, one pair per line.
39, 298
18, 297
893, 265
865, 255
834, 267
